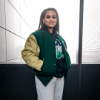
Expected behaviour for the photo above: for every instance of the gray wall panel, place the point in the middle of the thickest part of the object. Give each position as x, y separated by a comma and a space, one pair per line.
23, 61
2, 14
15, 60
13, 46
23, 43
16, 4
31, 7
91, 32
2, 45
26, 15
16, 20
12, 18
25, 30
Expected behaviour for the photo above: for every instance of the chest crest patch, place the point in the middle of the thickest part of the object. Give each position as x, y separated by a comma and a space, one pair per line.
58, 47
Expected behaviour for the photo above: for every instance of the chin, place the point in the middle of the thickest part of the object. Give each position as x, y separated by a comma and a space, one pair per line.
51, 26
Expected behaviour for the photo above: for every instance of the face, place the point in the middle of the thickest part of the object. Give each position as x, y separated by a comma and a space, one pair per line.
50, 19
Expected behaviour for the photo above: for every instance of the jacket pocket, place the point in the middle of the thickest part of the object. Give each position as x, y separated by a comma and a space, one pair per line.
48, 67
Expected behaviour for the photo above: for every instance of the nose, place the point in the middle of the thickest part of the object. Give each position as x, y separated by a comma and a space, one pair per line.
51, 18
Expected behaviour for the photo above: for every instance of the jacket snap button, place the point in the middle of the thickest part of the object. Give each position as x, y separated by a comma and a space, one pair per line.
54, 64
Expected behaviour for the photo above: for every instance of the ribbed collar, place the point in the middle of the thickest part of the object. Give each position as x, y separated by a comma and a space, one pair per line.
54, 34
47, 30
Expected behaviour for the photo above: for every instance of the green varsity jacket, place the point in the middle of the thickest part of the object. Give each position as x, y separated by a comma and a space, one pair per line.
40, 54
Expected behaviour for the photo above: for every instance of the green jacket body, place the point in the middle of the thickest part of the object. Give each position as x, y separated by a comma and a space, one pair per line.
43, 57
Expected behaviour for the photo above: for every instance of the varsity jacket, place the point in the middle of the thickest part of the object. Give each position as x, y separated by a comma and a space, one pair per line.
40, 54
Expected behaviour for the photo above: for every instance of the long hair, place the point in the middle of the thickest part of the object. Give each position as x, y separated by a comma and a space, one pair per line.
42, 25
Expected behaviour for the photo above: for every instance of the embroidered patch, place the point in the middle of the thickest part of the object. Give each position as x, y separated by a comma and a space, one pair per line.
58, 46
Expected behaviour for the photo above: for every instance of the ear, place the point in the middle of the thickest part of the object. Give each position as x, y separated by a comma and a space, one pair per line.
43, 20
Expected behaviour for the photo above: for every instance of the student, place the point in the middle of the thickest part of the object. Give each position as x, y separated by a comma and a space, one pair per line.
46, 52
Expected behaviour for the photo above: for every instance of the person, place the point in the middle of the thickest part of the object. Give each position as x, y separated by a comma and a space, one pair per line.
46, 52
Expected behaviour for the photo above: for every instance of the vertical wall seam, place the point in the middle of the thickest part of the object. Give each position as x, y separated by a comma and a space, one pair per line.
5, 30
80, 50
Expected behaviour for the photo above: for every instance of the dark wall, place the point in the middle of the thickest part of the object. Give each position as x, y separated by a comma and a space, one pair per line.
90, 87
17, 83
70, 89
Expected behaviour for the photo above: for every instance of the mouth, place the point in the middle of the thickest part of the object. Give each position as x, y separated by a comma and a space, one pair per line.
51, 23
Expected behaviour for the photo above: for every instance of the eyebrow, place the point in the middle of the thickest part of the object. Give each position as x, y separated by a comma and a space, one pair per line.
50, 15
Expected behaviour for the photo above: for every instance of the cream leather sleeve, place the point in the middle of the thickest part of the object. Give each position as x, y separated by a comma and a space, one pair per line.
31, 52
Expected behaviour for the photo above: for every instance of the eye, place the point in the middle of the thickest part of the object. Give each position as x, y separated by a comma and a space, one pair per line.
54, 17
48, 17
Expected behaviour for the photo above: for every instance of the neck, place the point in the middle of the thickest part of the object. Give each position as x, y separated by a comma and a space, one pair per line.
51, 30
